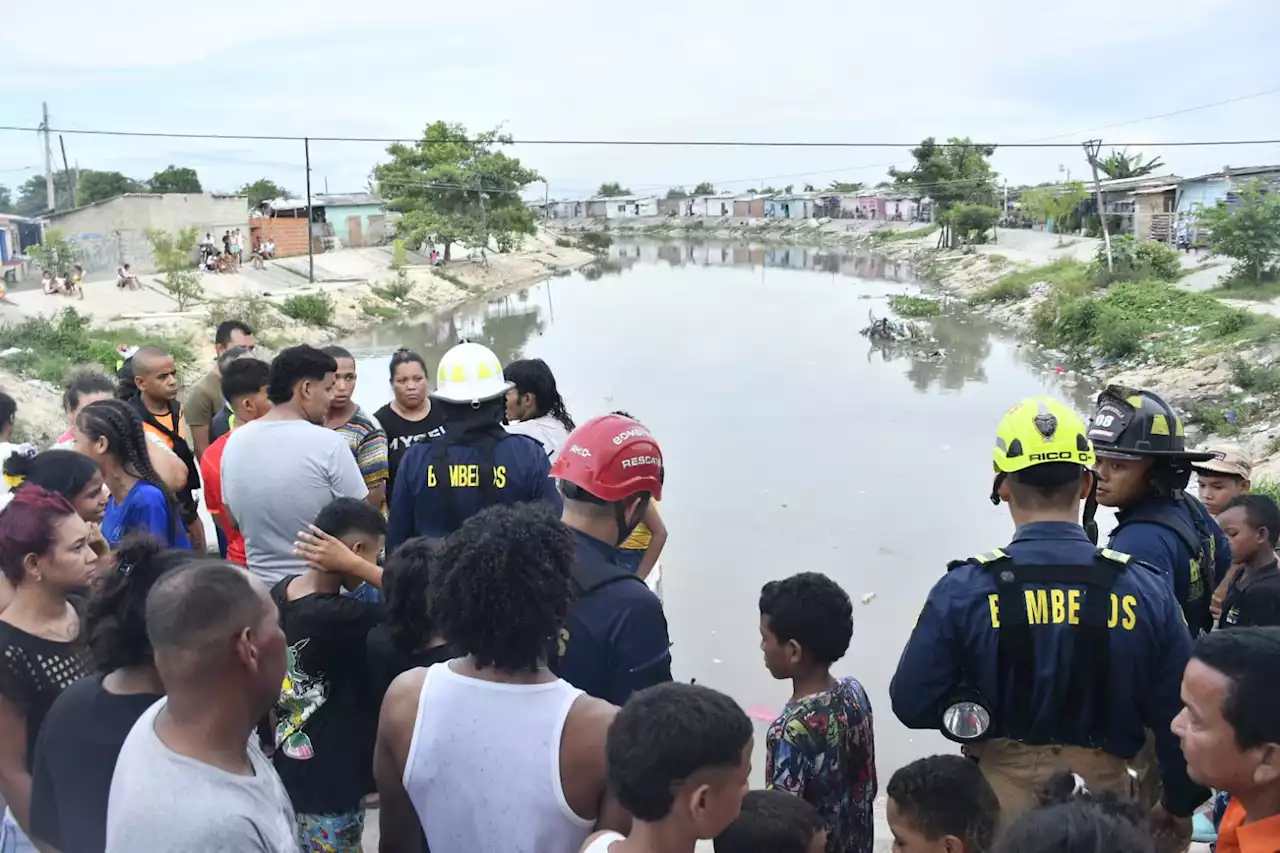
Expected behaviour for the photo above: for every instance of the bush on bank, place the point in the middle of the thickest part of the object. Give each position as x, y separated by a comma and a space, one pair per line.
49, 348
1065, 275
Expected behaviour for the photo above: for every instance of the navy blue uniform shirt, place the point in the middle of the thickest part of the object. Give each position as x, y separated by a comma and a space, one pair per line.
954, 644
521, 472
614, 641
1163, 548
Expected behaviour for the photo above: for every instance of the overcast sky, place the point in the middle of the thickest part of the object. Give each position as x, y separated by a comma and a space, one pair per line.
812, 70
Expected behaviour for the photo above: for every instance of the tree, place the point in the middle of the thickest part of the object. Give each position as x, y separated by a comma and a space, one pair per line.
1248, 231
971, 222
612, 189
1048, 203
454, 187
175, 179
263, 189
952, 174
846, 186
6, 200
55, 253
770, 191
94, 186
677, 192
1120, 164
883, 185
32, 200
808, 188
704, 188
175, 257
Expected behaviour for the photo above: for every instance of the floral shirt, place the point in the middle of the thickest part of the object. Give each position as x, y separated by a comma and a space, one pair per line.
821, 748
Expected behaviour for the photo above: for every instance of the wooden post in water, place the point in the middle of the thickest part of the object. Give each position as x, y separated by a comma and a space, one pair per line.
1091, 149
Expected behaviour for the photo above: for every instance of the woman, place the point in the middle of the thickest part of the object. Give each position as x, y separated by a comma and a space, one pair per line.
535, 407
110, 433
74, 476
84, 730
408, 418
409, 637
45, 554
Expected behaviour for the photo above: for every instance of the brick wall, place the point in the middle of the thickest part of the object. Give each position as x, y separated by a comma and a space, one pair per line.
289, 235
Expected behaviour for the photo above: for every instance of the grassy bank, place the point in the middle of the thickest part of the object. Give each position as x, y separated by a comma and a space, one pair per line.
49, 349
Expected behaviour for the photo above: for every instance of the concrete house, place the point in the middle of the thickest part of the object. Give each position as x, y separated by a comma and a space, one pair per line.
16, 234
629, 206
709, 205
1208, 190
749, 206
900, 209
596, 208
357, 219
789, 207
1119, 199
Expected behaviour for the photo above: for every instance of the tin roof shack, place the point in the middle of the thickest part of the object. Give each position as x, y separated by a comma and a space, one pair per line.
630, 206
1119, 200
356, 219
789, 206
16, 234
749, 206
284, 221
717, 205
1153, 213
112, 232
1208, 190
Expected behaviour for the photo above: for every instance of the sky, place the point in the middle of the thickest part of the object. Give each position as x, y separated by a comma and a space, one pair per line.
1002, 71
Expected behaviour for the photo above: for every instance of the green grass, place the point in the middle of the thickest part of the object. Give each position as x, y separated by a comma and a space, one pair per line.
1065, 275
450, 277
1246, 288
1270, 488
893, 235
595, 241
1256, 377
914, 306
314, 309
57, 346
1226, 417
257, 311
394, 290
384, 312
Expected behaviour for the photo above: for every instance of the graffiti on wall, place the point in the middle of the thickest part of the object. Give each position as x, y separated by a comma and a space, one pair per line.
98, 253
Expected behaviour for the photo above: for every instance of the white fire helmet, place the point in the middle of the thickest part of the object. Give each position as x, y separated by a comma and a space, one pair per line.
470, 373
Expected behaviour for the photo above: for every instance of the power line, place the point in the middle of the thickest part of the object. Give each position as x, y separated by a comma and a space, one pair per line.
1179, 112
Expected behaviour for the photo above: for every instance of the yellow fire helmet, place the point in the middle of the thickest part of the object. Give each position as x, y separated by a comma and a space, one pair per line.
1040, 430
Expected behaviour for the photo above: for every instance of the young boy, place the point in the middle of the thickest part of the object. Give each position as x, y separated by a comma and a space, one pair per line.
774, 822
1252, 524
155, 375
942, 804
327, 714
678, 758
1224, 477
821, 748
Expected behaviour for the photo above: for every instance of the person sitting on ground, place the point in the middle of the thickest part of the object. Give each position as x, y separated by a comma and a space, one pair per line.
774, 822
126, 279
74, 476
534, 405
1230, 732
644, 546
1252, 524
501, 594
49, 282
679, 758
941, 804
327, 715
82, 735
190, 779
822, 747
363, 434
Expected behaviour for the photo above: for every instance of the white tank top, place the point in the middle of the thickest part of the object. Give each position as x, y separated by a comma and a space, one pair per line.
483, 770
603, 842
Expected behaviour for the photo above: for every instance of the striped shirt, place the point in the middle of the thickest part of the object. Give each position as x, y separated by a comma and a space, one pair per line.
368, 441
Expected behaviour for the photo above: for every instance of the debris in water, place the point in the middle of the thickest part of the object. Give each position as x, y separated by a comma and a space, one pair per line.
868, 597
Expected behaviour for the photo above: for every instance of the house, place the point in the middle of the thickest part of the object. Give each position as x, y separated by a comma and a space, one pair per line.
709, 205
871, 205
629, 206
596, 208
749, 206
900, 209
1119, 199
786, 206
16, 234
357, 219
112, 232
284, 222
1208, 190
1153, 213
670, 206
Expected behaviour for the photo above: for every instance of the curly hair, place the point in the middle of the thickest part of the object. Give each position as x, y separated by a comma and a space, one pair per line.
406, 581
772, 821
811, 609
1083, 824
947, 795
664, 735
503, 588
115, 617
121, 426
27, 527
533, 376
296, 364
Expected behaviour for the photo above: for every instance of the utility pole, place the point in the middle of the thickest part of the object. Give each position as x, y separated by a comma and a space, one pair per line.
1091, 149
66, 170
50, 197
546, 202
311, 260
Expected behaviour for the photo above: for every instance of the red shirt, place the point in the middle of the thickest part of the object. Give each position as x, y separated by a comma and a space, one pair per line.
1236, 836
211, 480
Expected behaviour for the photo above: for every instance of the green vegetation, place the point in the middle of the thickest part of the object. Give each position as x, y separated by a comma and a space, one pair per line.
955, 174
53, 347
449, 277
175, 179
56, 253
384, 312
1249, 232
612, 189
889, 235
564, 242
914, 306
175, 256
1264, 379
263, 190
1065, 275
1271, 488
1052, 203
249, 308
595, 241
1134, 261
314, 309
1225, 417
1120, 164
971, 222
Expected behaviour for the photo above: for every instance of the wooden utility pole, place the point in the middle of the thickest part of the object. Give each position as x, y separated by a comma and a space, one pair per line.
1091, 149
50, 197
311, 260
66, 170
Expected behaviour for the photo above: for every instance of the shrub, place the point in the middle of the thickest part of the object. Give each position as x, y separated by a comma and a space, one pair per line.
314, 309
914, 306
1066, 275
1134, 261
564, 242
1116, 335
393, 291
596, 241
973, 221
1255, 377
1160, 261
249, 308
51, 347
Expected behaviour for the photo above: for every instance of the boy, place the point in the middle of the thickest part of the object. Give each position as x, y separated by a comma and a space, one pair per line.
1223, 477
821, 748
1252, 523
942, 804
327, 713
774, 822
155, 375
678, 759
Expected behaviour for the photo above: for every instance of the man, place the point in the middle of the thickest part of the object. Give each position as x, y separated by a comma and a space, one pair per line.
363, 434
245, 384
1072, 649
281, 470
481, 781
205, 398
615, 639
224, 418
155, 376
188, 779
1230, 732
444, 481
1143, 469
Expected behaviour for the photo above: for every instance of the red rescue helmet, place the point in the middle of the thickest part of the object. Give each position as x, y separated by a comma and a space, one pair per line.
611, 458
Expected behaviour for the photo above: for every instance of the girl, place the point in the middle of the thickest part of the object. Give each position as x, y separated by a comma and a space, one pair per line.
45, 554
408, 418
110, 433
535, 407
76, 477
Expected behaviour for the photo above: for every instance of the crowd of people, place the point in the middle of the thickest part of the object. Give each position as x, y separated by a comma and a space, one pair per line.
440, 608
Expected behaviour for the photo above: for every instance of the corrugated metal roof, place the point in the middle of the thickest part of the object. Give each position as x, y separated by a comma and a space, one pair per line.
1243, 171
345, 199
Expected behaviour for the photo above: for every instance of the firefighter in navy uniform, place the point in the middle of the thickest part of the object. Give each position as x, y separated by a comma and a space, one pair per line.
1143, 469
1073, 649
476, 463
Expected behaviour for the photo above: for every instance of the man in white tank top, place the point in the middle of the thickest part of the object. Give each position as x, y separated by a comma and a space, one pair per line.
491, 752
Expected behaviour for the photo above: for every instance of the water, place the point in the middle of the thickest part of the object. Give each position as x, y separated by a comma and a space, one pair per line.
792, 443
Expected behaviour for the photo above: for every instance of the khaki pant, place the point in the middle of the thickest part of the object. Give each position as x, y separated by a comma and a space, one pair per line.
1017, 771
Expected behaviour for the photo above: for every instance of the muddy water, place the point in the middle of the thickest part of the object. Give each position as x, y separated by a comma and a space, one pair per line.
792, 443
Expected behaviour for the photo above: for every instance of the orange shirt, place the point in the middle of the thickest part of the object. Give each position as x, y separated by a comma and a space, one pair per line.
1236, 836
167, 421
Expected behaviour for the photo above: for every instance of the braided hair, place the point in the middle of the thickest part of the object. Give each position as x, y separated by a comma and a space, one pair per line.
121, 426
533, 376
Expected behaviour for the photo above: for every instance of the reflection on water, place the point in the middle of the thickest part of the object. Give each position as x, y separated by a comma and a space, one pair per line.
623, 256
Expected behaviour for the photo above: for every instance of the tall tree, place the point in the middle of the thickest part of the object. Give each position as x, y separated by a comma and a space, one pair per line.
1248, 231
846, 186
952, 174
1045, 203
677, 192
1122, 164
94, 186
175, 179
612, 189
704, 188
454, 187
263, 189
6, 200
32, 200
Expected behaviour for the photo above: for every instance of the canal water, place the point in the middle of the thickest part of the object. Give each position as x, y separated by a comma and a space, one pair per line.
791, 442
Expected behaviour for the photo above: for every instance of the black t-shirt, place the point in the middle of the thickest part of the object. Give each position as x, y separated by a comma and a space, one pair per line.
79, 744
220, 425
403, 434
386, 660
327, 712
1254, 602
33, 672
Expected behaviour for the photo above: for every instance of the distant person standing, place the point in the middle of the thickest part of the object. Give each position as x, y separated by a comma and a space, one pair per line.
205, 399
289, 445
245, 384
534, 405
1252, 524
364, 435
409, 418
190, 778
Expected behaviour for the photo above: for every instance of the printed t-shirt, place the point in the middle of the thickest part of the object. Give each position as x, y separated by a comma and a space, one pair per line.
368, 442
144, 510
211, 477
403, 433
